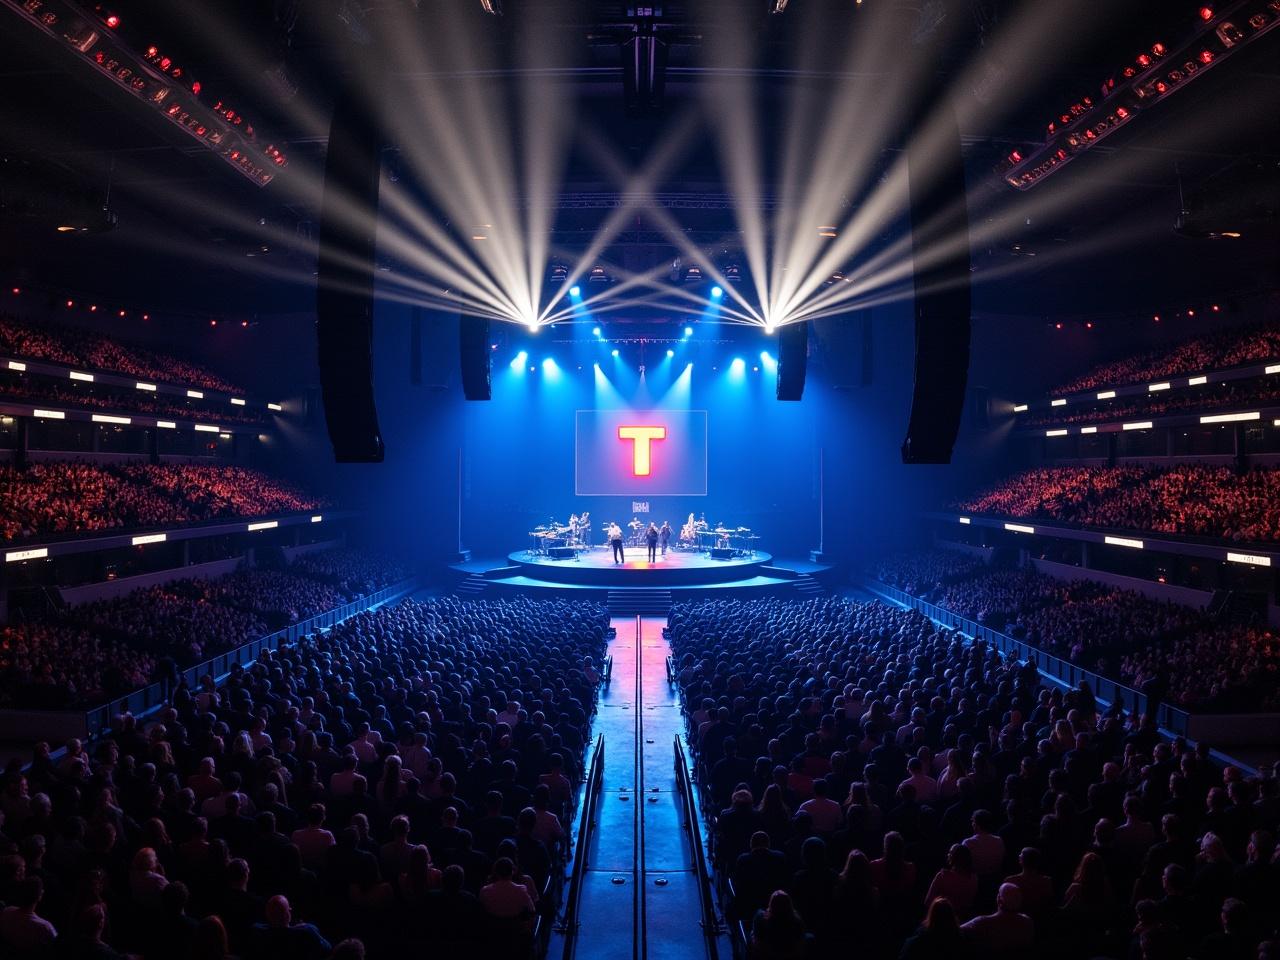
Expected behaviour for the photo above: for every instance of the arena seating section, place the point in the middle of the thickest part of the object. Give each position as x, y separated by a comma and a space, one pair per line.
1208, 664
93, 351
61, 498
86, 654
1184, 499
1220, 350
56, 393
1236, 396
404, 779
885, 790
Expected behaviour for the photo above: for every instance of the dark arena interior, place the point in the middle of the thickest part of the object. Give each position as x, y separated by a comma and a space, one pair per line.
693, 480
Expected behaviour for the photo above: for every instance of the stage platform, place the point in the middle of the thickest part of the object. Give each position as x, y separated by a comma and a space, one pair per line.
638, 586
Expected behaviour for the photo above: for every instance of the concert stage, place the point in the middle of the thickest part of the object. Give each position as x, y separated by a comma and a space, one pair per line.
638, 586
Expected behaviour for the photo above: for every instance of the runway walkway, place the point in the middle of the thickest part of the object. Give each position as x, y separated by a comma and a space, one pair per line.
640, 892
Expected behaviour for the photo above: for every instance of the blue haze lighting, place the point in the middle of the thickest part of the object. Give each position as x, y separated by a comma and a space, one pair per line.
717, 293
688, 331
595, 331
671, 353
575, 291
518, 362
613, 352
550, 368
738, 368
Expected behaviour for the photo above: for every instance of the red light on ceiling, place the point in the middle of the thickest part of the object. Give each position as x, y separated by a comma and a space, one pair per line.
213, 323
1158, 49
1215, 308
113, 21
1088, 324
1156, 318
70, 304
1057, 326
152, 51
244, 323
16, 291
1206, 56
1206, 13
1144, 60
146, 316
1191, 313
195, 88
121, 313
1015, 157
93, 308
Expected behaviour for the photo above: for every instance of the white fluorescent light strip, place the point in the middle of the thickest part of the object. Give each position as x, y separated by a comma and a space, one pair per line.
965, 520
274, 406
1139, 425
206, 428
1197, 381
17, 365
1019, 528
1274, 368
1232, 417
49, 414
1019, 408
36, 554
264, 525
1055, 433
1060, 402
1088, 429
195, 394
237, 401
77, 375
150, 538
1157, 387
1249, 558
107, 418
1123, 542
167, 424
150, 387
1107, 395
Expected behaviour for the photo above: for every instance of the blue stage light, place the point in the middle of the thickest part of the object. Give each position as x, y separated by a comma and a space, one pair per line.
613, 352
738, 367
575, 291
716, 293
688, 331
671, 353
595, 331
518, 362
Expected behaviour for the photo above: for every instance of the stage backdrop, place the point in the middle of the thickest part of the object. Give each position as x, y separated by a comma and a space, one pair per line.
640, 454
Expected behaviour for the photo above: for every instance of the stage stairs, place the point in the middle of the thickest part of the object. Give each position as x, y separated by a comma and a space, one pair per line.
808, 587
636, 600
472, 587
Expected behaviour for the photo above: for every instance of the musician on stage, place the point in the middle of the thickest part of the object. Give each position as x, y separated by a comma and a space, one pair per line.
664, 536
615, 540
584, 522
651, 540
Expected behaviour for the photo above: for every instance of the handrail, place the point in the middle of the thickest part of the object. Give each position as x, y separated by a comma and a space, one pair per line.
671, 671
608, 670
586, 824
711, 926
1064, 671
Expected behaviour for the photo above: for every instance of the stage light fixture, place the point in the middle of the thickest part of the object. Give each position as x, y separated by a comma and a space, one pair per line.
688, 331
613, 352
670, 353
595, 331
575, 291
716, 293
518, 362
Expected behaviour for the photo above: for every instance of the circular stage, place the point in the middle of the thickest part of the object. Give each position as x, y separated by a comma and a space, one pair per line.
678, 568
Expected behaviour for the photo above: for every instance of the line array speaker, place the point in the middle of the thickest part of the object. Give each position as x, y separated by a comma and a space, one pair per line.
473, 349
344, 295
793, 359
942, 302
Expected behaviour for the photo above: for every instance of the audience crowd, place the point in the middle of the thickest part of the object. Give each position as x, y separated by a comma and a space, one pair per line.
99, 396
1183, 499
398, 786
57, 498
887, 791
353, 573
90, 653
1232, 347
78, 347
1237, 395
1196, 661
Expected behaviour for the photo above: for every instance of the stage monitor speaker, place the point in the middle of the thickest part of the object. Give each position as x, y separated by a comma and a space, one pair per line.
344, 295
793, 359
476, 357
940, 249
722, 553
562, 553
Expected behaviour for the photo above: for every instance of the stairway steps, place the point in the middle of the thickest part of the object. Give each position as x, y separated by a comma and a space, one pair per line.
807, 586
473, 586
625, 603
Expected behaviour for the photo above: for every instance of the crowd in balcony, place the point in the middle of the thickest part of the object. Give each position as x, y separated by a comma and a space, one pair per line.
46, 391
60, 498
86, 654
1188, 499
883, 789
399, 786
1237, 396
1195, 661
1219, 350
75, 346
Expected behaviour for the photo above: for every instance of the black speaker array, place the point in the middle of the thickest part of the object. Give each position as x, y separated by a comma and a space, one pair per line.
344, 296
938, 217
793, 360
476, 357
